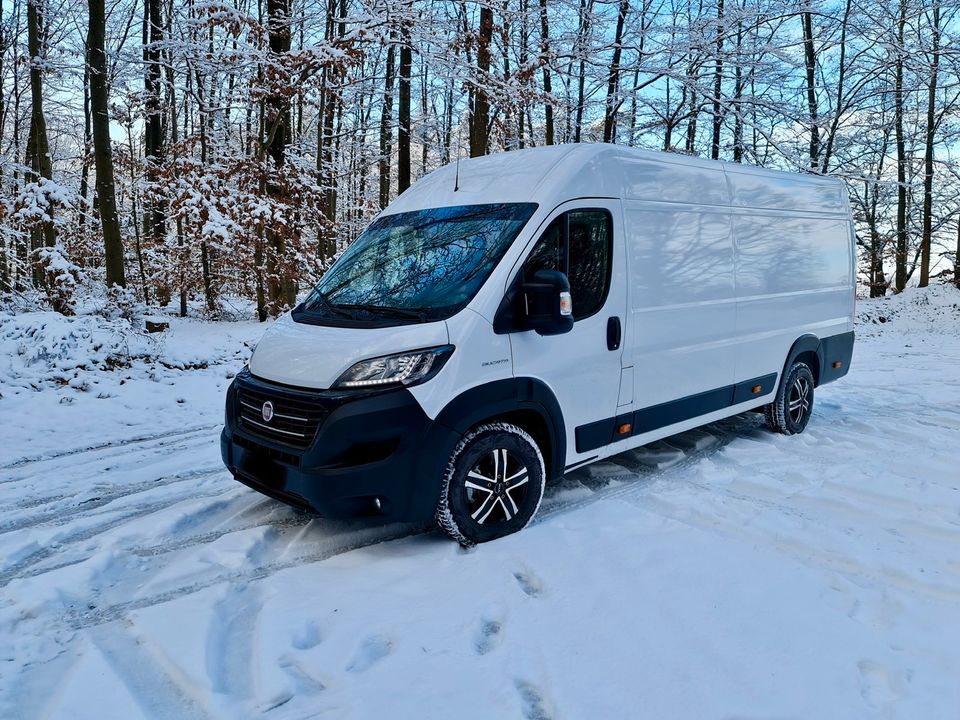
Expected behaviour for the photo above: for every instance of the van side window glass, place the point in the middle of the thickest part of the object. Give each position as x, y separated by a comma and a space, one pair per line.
578, 243
549, 253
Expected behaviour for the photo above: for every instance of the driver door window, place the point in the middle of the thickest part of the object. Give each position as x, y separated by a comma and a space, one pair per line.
578, 244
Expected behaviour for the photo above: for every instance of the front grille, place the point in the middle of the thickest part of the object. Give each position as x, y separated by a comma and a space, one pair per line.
294, 422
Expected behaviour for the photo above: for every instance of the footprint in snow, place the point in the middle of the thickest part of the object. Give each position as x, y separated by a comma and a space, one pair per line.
373, 649
879, 686
532, 701
531, 585
489, 636
306, 683
307, 636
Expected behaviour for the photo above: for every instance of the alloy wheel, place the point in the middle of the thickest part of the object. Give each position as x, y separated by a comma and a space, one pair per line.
496, 487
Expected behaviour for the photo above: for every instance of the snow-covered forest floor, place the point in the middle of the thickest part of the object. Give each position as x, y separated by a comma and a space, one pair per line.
724, 573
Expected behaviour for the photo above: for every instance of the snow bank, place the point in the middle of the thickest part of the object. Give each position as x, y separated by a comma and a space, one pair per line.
69, 382
41, 348
935, 310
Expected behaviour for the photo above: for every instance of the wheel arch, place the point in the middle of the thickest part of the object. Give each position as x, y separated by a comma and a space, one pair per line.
808, 349
525, 402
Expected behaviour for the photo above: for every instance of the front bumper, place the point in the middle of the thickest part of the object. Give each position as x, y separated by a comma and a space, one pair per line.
374, 453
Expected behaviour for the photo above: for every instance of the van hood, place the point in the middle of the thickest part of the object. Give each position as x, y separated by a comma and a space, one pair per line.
314, 356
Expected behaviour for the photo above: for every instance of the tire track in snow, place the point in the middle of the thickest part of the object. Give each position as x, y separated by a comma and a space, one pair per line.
79, 619
342, 542
637, 475
26, 566
230, 646
157, 692
58, 516
136, 440
805, 553
640, 467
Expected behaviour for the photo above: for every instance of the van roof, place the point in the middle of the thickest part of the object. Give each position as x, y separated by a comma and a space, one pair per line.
554, 174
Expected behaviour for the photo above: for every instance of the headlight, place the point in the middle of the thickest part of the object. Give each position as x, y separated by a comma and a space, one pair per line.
409, 368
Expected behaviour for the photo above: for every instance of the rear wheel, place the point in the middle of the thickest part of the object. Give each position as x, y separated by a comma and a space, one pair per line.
493, 484
790, 411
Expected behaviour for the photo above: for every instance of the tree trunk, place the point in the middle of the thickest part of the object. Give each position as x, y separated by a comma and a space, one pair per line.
717, 86
43, 164
154, 210
424, 84
841, 77
738, 86
928, 151
901, 251
480, 118
583, 32
403, 120
386, 132
613, 78
547, 83
87, 142
137, 245
327, 234
878, 280
956, 258
810, 60
281, 289
102, 151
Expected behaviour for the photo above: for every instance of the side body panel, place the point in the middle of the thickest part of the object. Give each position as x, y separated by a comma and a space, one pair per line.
682, 305
720, 291
794, 265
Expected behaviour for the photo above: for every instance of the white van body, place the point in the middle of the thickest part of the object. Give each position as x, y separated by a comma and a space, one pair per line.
720, 275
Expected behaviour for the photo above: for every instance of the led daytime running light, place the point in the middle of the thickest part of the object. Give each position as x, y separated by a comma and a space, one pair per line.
400, 369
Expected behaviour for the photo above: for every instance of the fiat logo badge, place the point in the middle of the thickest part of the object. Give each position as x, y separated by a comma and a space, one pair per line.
267, 411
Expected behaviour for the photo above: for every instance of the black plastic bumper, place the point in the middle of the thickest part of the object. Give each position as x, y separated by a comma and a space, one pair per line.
836, 354
374, 454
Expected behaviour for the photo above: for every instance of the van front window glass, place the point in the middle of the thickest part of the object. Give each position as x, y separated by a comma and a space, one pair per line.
417, 266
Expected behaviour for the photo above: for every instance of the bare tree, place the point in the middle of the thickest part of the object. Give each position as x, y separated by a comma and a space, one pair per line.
928, 144
102, 150
613, 77
403, 109
547, 83
810, 64
42, 162
480, 117
898, 99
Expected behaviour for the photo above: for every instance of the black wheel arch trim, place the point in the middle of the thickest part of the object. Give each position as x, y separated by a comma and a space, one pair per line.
803, 344
503, 397
828, 351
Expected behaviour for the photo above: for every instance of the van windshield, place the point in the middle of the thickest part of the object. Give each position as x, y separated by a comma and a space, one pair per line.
416, 266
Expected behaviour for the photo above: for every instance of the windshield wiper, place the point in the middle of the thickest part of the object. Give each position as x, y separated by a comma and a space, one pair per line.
325, 302
410, 313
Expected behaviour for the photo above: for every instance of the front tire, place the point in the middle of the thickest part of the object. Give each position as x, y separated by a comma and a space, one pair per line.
492, 486
790, 411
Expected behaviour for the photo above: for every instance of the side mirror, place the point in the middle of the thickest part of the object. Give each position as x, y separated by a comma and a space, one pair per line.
547, 303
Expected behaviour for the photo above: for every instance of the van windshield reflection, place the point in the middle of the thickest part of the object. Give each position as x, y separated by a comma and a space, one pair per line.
416, 266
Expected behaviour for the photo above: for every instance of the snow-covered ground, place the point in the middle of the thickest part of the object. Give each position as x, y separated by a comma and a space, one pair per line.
725, 573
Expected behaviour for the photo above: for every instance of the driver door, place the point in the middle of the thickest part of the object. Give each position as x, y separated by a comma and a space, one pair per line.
584, 240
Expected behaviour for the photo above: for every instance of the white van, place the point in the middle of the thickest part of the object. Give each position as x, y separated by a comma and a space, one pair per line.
534, 311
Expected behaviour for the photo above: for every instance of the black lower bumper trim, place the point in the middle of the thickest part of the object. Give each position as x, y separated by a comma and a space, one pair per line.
373, 454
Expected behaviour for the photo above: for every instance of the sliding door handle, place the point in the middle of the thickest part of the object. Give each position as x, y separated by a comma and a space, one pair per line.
613, 333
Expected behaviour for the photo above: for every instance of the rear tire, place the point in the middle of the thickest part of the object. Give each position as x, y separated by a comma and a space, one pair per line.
790, 410
492, 486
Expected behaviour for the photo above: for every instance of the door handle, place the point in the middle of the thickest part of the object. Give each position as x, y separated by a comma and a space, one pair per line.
613, 333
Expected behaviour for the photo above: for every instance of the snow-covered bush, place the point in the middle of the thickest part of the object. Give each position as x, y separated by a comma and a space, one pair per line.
43, 348
60, 278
